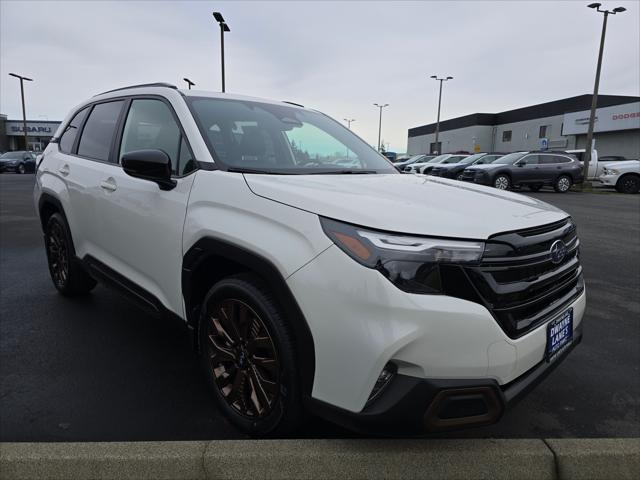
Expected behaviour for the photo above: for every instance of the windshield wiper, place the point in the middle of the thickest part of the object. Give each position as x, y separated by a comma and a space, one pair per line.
257, 170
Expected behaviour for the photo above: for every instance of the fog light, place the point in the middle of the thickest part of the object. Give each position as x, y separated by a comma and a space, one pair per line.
384, 379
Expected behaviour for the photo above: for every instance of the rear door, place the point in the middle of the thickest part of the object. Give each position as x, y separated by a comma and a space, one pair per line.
85, 156
142, 225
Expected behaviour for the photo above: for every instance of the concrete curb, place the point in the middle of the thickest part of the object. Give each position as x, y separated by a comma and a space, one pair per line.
303, 459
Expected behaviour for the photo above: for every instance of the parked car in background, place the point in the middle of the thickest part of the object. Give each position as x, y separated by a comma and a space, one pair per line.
623, 176
450, 158
18, 162
454, 170
413, 168
414, 159
391, 156
613, 158
533, 169
597, 163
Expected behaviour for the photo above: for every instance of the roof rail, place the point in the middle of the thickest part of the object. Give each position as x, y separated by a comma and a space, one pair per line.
142, 85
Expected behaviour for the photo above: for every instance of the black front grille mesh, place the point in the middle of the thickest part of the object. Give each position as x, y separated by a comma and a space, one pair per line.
519, 282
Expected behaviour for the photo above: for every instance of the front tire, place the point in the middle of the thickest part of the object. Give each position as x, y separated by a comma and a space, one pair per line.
21, 169
67, 274
563, 184
248, 356
502, 182
459, 177
628, 184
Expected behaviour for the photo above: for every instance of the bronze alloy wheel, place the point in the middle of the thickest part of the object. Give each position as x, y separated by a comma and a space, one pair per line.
58, 254
243, 358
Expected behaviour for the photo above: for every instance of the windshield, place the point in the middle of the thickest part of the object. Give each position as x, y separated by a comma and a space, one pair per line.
439, 158
256, 137
510, 158
13, 155
471, 158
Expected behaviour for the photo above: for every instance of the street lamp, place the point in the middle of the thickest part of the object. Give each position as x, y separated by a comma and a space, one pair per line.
439, 103
223, 28
24, 114
349, 120
380, 122
189, 82
594, 98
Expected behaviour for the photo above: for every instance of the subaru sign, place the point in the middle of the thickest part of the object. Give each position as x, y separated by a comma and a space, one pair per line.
34, 129
544, 143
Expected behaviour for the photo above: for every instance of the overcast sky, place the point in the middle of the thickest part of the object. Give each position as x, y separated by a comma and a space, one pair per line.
338, 57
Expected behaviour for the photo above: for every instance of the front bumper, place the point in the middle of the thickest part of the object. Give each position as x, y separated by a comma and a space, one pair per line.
6, 167
608, 180
360, 321
414, 406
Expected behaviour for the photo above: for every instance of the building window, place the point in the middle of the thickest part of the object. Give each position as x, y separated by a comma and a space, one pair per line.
543, 131
506, 136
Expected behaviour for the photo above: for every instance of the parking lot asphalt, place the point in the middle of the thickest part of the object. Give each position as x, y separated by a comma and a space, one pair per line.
99, 369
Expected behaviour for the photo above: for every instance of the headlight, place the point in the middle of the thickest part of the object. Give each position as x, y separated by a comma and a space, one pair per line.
411, 263
610, 172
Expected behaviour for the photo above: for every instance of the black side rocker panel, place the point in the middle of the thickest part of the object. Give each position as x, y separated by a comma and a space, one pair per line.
208, 247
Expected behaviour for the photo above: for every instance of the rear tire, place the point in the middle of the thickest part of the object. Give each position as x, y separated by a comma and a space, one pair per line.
248, 356
628, 184
563, 184
67, 274
502, 182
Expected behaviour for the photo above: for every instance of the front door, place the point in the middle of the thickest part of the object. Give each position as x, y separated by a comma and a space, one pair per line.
142, 225
527, 170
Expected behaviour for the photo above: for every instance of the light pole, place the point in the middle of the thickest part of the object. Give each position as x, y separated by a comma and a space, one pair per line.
380, 121
349, 120
223, 28
24, 114
439, 103
594, 98
189, 82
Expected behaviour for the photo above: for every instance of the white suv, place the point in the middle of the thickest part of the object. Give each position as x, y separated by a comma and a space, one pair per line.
294, 252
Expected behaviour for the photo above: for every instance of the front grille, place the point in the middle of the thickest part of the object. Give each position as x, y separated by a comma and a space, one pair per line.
518, 281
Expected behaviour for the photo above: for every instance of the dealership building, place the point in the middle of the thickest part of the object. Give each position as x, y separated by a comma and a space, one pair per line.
559, 125
38, 134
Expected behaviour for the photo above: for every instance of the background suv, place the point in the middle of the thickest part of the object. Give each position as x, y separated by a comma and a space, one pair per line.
454, 170
309, 285
533, 169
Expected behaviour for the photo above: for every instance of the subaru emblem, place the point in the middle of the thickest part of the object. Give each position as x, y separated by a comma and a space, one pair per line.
558, 251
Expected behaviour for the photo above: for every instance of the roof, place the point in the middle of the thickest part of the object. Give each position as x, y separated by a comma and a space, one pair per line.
541, 110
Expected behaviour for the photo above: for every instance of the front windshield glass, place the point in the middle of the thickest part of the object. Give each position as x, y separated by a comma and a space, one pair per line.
510, 158
257, 137
12, 155
471, 158
439, 158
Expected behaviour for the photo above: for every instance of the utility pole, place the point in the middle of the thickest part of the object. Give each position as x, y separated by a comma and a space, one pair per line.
439, 104
380, 121
223, 28
24, 113
349, 120
594, 99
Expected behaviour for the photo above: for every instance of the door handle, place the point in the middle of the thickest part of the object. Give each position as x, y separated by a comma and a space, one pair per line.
64, 170
109, 184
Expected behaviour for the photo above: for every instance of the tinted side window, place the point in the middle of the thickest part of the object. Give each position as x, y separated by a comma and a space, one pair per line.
97, 134
559, 159
488, 159
70, 133
187, 162
150, 125
530, 160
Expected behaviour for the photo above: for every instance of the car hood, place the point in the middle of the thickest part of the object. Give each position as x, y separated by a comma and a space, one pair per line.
413, 204
624, 165
9, 160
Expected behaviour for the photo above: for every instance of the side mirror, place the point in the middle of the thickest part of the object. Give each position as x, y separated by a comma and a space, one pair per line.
519, 164
152, 165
